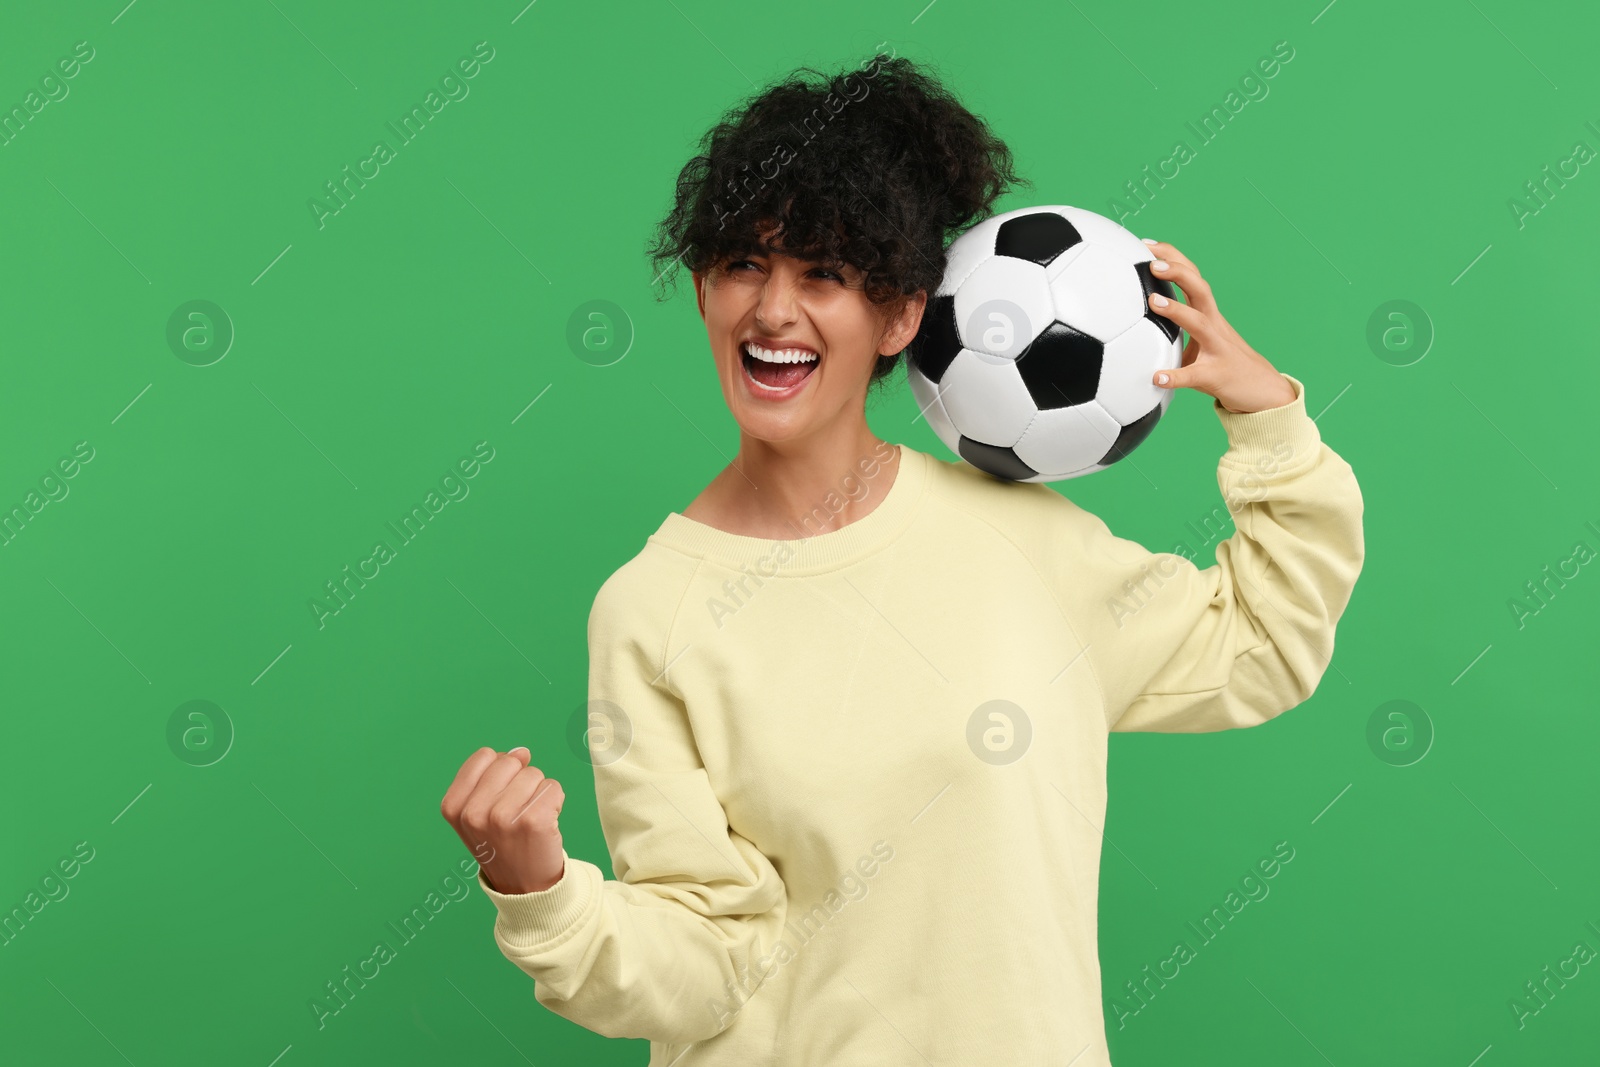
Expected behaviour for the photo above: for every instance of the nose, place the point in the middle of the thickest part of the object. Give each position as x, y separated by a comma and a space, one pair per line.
775, 310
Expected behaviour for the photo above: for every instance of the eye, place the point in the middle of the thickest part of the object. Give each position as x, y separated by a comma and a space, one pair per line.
736, 264
832, 274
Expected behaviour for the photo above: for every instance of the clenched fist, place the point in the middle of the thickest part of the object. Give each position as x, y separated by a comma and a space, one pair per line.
502, 807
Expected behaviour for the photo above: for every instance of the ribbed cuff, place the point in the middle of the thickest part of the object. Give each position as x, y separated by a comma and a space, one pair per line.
529, 920
1271, 440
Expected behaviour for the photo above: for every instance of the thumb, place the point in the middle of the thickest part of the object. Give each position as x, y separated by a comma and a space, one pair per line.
1175, 378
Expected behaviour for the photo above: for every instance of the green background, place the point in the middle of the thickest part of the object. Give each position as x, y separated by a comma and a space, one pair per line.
373, 352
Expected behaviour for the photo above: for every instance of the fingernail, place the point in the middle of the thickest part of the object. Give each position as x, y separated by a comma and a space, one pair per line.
1158, 264
519, 748
1158, 300
1161, 379
1147, 240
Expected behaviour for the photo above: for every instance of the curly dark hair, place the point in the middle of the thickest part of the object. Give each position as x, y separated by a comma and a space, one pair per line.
880, 169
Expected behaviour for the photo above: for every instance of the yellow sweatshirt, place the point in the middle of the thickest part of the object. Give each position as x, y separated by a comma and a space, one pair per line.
853, 784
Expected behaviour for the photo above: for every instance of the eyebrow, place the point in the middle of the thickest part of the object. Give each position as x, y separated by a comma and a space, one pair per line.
767, 252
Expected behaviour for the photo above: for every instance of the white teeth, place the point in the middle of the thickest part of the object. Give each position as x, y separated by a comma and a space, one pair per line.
786, 355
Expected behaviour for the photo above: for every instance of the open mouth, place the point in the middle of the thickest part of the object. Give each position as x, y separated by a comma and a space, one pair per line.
777, 370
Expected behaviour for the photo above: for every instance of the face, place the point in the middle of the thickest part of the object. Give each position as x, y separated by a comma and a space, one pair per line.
792, 304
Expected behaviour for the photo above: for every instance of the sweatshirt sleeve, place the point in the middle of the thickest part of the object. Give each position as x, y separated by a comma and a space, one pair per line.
1181, 649
661, 952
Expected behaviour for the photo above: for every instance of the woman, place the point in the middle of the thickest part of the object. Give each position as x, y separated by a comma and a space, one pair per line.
853, 702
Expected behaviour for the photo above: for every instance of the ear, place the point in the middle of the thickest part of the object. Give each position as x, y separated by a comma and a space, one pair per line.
700, 292
905, 325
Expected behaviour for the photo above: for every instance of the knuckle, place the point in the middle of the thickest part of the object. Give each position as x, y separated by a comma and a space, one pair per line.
475, 817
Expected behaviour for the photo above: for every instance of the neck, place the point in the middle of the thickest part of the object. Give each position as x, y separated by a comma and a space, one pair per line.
788, 488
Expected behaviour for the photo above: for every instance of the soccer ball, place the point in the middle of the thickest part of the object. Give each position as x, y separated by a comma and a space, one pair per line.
1035, 357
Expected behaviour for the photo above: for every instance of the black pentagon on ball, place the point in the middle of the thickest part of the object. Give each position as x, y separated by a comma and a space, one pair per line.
937, 342
997, 460
1132, 435
1061, 367
1151, 284
1038, 237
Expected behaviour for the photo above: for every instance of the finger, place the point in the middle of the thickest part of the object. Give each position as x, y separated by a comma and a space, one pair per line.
1181, 270
501, 770
1189, 376
1170, 253
465, 781
531, 800
1186, 276
1187, 316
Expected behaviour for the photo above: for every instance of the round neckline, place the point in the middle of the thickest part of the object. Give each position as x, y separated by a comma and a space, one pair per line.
805, 553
